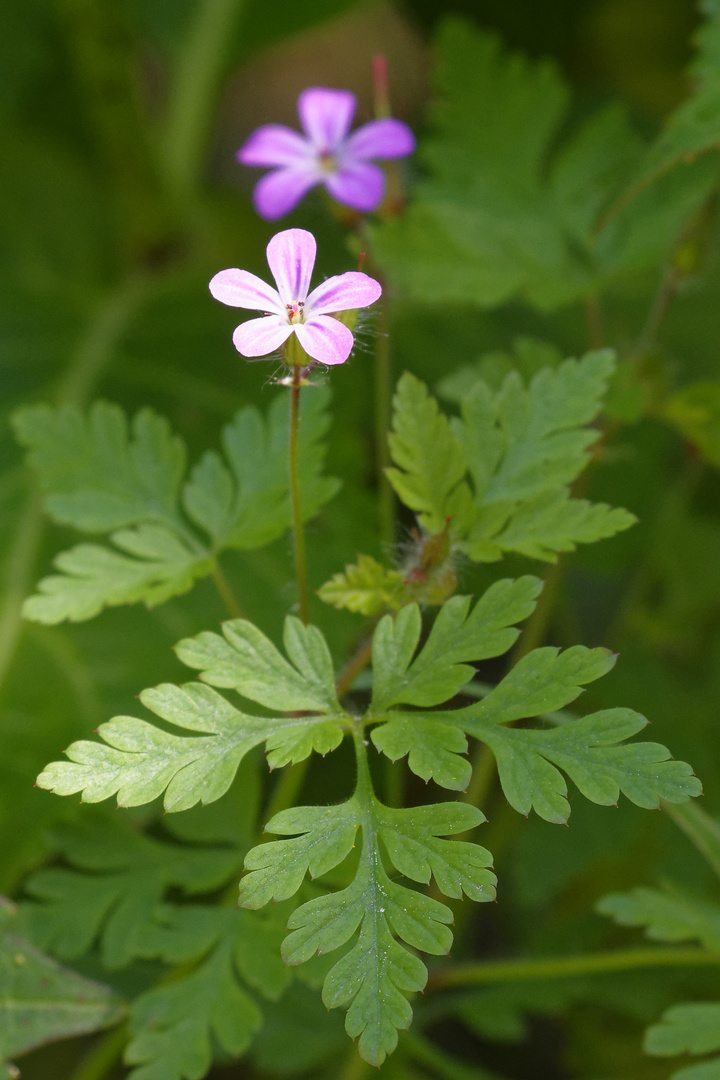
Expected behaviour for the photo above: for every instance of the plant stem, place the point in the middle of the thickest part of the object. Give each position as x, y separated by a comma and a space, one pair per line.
194, 87
298, 533
104, 1054
383, 403
221, 583
352, 669
554, 967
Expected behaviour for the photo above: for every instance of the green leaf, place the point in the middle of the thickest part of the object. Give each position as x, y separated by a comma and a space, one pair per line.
176, 1027
95, 577
694, 127
101, 475
667, 915
590, 752
522, 446
246, 661
412, 840
692, 1028
323, 837
139, 761
97, 474
434, 748
118, 878
695, 412
40, 1001
501, 217
374, 976
366, 587
458, 635
430, 461
527, 355
248, 505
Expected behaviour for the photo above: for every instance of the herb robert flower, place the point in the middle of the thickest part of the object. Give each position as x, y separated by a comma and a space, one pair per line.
325, 154
289, 309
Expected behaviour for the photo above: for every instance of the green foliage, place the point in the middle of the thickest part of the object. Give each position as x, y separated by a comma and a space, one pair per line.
101, 477
667, 915
691, 1028
513, 204
40, 1001
175, 1027
139, 761
366, 587
373, 977
522, 447
694, 127
695, 412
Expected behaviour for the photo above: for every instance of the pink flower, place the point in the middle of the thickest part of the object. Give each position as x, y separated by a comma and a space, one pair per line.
289, 309
325, 154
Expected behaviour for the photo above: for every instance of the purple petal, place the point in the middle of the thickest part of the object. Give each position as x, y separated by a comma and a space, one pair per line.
258, 337
325, 339
342, 293
326, 116
357, 184
387, 138
274, 144
291, 257
240, 288
280, 191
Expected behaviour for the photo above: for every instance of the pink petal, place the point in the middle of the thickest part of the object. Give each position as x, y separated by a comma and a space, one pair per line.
387, 138
291, 257
357, 184
258, 337
325, 339
326, 116
281, 190
274, 144
342, 293
240, 288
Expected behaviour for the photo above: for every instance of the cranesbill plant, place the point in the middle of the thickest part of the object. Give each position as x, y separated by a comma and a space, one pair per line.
348, 896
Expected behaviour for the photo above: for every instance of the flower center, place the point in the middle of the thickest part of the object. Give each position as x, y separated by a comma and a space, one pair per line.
295, 313
328, 163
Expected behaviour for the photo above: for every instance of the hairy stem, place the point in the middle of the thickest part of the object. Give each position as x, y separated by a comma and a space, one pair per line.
298, 532
554, 967
383, 403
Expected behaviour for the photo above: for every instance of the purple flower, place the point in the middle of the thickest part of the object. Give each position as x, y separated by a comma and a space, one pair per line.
289, 309
324, 154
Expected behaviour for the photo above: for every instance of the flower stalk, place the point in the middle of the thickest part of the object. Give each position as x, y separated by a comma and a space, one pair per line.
298, 532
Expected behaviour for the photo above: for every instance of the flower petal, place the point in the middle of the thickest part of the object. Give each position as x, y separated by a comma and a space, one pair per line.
291, 257
281, 190
258, 337
387, 138
342, 293
274, 144
357, 184
240, 288
325, 339
326, 116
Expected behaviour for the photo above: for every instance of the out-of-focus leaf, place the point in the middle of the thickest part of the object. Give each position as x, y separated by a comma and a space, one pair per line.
695, 412
40, 1001
365, 586
510, 208
667, 915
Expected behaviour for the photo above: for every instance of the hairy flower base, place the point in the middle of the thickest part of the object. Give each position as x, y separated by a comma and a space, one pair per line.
289, 310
